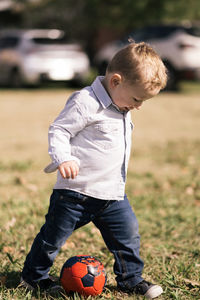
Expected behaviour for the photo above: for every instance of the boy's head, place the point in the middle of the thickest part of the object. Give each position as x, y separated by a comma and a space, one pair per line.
135, 73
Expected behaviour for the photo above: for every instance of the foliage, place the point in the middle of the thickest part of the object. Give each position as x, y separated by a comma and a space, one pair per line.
84, 19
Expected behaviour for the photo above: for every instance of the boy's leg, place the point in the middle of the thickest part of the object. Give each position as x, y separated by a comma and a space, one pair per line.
119, 228
61, 219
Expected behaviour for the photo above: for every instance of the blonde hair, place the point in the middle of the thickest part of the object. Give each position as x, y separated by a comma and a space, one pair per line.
139, 63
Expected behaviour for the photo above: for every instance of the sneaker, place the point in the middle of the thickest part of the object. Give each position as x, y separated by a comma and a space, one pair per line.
148, 289
49, 285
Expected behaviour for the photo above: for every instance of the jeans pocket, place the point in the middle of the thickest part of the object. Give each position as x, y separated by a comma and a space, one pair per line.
71, 196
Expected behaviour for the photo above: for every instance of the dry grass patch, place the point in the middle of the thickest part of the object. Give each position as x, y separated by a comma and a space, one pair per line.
163, 186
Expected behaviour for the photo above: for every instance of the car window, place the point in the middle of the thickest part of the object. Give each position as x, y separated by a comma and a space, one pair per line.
148, 33
165, 31
8, 42
154, 32
193, 31
49, 41
157, 32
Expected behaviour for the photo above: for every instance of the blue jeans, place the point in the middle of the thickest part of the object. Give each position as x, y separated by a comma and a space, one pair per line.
69, 211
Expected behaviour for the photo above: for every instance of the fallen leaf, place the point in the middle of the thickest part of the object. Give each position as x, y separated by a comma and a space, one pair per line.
19, 180
172, 256
166, 185
197, 265
95, 231
191, 160
3, 280
8, 249
197, 203
81, 234
22, 249
192, 282
68, 245
147, 245
189, 190
10, 223
31, 187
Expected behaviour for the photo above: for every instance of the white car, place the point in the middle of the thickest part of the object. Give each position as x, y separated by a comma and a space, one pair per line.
28, 57
178, 46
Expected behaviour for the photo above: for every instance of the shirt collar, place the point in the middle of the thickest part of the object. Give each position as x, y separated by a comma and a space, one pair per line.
101, 92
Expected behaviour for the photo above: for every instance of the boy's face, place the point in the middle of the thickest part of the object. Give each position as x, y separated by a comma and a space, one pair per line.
126, 96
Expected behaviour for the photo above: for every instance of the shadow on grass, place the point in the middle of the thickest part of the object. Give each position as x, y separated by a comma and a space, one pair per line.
12, 281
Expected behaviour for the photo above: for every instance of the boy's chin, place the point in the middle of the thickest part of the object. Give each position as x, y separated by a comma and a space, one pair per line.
124, 109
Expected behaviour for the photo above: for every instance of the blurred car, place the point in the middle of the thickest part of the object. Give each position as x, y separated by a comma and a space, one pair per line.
32, 56
177, 45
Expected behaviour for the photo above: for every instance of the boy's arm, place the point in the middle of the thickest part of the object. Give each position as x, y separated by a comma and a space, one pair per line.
70, 121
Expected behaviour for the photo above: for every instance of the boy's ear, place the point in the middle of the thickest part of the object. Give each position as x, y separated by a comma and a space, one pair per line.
116, 79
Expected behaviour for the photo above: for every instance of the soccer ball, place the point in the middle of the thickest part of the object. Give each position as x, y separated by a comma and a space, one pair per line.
83, 274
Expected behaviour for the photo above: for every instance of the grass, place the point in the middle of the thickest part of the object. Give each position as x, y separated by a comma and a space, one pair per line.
163, 187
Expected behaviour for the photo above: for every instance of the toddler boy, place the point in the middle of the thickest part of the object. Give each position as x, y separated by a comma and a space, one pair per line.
89, 144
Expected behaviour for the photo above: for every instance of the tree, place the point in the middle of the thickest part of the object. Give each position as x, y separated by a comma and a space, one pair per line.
85, 19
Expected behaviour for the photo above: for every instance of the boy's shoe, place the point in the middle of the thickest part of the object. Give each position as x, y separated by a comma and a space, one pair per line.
147, 289
48, 285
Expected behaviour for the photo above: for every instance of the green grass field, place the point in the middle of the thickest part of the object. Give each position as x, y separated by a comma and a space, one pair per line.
163, 187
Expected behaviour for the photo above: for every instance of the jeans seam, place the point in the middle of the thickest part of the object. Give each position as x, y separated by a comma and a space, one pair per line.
122, 262
104, 207
119, 256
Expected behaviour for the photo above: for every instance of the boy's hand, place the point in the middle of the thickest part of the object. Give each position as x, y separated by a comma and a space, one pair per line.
69, 169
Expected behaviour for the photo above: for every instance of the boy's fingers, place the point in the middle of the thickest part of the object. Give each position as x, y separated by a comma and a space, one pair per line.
62, 172
65, 172
74, 172
69, 170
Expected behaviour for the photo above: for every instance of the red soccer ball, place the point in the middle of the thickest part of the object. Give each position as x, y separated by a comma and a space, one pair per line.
83, 274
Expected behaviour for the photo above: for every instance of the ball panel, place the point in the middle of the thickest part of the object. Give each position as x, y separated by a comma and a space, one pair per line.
68, 281
71, 261
78, 285
99, 282
88, 280
79, 269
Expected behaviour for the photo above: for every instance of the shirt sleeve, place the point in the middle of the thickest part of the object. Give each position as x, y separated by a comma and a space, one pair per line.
71, 120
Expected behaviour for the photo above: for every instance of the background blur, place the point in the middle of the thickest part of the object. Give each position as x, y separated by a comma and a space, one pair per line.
70, 42
94, 24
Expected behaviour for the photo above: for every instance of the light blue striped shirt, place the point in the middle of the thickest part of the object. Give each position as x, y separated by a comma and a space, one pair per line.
93, 132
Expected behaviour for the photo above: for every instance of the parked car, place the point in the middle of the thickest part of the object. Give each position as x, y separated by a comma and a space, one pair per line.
31, 56
177, 45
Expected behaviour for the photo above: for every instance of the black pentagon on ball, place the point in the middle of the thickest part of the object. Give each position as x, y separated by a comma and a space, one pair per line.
88, 280
71, 261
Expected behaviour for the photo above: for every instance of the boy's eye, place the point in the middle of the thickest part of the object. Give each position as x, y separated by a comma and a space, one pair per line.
136, 100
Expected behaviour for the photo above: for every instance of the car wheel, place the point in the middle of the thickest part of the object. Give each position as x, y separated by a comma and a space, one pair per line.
173, 80
15, 79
